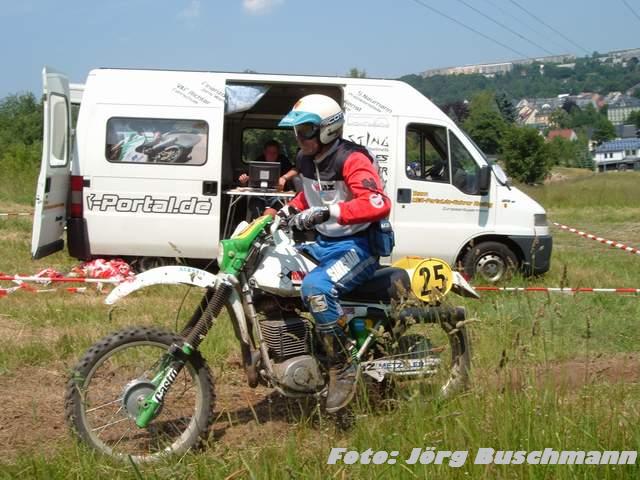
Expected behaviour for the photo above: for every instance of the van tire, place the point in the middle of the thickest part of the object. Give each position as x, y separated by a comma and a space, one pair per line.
142, 264
490, 261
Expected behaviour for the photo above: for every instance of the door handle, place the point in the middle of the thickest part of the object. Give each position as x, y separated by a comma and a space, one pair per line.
404, 195
210, 188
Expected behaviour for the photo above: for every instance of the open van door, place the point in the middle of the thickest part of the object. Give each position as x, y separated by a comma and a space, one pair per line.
53, 183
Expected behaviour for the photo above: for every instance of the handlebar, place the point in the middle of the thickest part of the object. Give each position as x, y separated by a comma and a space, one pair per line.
298, 236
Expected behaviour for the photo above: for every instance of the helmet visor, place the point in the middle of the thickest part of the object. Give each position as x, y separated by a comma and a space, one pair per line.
306, 131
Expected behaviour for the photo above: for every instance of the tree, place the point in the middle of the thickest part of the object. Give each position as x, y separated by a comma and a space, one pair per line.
570, 106
583, 157
634, 117
506, 108
457, 111
564, 152
20, 120
525, 156
603, 130
485, 123
585, 117
355, 73
560, 119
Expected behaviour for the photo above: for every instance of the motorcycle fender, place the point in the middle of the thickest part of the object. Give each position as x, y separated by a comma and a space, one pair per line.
183, 275
462, 287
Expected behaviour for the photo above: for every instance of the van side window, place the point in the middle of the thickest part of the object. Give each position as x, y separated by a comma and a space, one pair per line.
427, 153
58, 119
464, 168
157, 141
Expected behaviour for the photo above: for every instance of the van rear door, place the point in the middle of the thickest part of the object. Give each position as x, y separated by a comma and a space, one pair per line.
53, 183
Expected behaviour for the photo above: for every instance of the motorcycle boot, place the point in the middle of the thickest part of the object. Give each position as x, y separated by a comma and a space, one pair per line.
343, 369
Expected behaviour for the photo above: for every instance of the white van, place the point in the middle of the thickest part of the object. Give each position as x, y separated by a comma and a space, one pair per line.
154, 205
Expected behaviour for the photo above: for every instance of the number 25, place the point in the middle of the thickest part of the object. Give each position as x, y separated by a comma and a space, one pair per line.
437, 275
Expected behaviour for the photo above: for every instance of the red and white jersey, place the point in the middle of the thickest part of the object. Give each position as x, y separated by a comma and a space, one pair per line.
346, 180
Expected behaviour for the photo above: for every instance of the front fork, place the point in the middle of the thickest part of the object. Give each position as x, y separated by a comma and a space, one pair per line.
175, 359
170, 368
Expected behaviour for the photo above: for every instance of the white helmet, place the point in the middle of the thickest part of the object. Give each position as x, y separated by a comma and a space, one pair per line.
315, 115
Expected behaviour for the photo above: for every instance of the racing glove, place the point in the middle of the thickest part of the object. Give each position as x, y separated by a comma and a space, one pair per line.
309, 218
285, 214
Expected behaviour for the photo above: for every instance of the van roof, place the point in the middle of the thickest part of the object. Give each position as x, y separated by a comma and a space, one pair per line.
254, 74
369, 96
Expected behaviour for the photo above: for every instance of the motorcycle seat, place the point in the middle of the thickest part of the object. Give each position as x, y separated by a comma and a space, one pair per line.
385, 284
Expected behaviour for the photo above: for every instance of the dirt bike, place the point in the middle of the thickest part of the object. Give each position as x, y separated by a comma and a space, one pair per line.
170, 147
146, 393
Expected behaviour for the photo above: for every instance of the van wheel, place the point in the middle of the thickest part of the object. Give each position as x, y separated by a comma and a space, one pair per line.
490, 261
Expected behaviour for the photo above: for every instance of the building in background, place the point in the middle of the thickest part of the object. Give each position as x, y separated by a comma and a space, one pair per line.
491, 69
627, 131
620, 107
566, 133
618, 155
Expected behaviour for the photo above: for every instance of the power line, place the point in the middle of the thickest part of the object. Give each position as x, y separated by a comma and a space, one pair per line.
549, 26
477, 32
500, 24
519, 21
632, 10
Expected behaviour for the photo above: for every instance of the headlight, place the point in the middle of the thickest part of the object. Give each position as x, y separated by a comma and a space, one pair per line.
220, 256
540, 220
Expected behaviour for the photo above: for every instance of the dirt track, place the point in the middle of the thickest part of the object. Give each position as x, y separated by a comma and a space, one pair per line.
31, 417
32, 413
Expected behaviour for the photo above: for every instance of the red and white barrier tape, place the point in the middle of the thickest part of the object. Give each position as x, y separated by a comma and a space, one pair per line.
6, 291
611, 243
18, 214
20, 278
569, 290
98, 272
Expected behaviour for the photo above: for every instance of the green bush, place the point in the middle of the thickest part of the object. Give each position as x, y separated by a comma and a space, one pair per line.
526, 157
20, 146
20, 119
20, 166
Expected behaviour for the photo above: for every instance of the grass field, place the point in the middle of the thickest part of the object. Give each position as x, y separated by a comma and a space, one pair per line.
549, 371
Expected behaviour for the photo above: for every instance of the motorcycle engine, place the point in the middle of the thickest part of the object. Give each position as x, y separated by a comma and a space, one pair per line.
290, 341
287, 337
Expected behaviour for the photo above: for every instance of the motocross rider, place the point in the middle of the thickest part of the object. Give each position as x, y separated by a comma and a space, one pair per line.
342, 194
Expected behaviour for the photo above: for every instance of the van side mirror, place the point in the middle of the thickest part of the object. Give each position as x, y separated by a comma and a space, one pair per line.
484, 179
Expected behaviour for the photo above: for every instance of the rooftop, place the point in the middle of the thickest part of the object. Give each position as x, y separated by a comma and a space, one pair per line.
619, 145
625, 101
564, 133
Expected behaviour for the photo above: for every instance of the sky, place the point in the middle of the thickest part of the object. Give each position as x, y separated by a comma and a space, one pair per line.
386, 38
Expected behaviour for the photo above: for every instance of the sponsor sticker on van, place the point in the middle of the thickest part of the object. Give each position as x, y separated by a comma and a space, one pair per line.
148, 204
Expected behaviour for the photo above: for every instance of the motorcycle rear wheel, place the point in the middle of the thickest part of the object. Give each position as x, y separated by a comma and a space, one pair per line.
446, 345
114, 376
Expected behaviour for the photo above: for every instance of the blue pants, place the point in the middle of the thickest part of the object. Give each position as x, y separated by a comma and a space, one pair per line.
344, 263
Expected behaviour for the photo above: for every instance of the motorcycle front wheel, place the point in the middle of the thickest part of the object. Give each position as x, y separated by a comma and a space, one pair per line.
112, 379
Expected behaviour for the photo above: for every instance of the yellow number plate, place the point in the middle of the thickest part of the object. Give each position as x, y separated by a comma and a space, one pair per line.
427, 275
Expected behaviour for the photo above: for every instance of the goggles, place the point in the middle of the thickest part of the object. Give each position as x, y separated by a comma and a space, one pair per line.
306, 131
